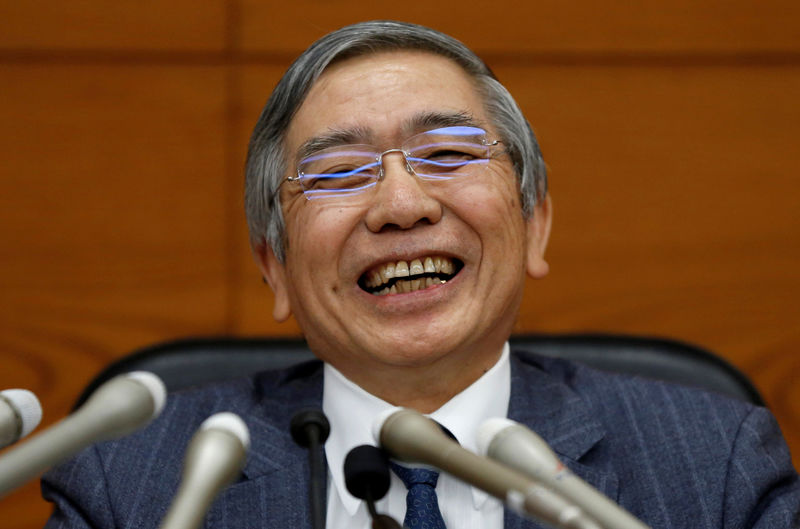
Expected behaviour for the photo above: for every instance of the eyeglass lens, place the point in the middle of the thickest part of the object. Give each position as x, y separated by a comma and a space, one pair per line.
439, 154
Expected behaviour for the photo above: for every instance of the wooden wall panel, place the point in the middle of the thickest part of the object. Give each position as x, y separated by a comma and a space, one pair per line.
666, 178
111, 232
96, 25
583, 27
675, 201
112, 182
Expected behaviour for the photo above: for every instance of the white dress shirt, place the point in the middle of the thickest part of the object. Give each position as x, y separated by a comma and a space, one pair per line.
352, 411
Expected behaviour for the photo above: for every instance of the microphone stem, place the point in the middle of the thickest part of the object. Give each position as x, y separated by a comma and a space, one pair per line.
318, 481
379, 521
373, 512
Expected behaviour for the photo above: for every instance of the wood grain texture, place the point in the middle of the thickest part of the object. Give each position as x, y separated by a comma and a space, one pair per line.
110, 230
670, 133
583, 28
95, 25
112, 199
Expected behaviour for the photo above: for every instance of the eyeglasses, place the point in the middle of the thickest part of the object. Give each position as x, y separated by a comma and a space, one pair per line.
348, 170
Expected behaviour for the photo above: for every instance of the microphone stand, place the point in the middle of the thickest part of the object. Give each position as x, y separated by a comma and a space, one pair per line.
380, 521
366, 475
310, 429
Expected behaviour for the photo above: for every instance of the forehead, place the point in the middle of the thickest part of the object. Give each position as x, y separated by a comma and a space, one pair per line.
383, 96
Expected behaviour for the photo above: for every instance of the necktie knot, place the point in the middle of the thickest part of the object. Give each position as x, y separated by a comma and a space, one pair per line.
422, 506
416, 476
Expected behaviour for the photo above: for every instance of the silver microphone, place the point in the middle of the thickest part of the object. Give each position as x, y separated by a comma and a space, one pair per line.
214, 458
20, 413
411, 437
517, 446
119, 407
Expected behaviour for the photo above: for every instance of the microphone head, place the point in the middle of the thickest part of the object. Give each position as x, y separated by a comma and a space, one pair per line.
380, 420
154, 385
409, 436
122, 405
305, 423
27, 405
517, 445
489, 430
230, 423
366, 472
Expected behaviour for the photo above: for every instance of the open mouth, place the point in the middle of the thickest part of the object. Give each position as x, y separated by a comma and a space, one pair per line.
403, 276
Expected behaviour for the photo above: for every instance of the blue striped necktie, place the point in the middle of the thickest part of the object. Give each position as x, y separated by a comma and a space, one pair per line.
422, 506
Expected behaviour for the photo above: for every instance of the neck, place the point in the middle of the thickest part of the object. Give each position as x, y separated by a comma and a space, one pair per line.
424, 388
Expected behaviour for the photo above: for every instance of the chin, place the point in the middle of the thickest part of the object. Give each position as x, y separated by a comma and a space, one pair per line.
412, 357
424, 350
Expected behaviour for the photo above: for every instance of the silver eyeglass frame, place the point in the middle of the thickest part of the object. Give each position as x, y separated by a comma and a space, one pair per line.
379, 160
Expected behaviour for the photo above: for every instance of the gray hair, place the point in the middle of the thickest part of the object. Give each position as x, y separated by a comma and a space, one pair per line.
267, 161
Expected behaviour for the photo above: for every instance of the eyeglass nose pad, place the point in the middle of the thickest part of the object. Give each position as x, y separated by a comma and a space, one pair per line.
379, 159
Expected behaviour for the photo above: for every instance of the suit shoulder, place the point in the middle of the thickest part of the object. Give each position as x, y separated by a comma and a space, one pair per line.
638, 400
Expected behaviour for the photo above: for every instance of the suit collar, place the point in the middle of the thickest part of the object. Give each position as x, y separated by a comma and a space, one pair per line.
542, 400
539, 399
272, 446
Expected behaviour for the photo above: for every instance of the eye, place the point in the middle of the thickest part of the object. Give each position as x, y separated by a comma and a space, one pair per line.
446, 159
338, 169
342, 170
319, 182
344, 176
447, 155
344, 180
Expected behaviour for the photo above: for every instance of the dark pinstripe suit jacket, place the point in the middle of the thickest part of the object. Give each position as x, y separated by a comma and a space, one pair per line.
674, 457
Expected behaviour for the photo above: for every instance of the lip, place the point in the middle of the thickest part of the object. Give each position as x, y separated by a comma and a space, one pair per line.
417, 301
444, 239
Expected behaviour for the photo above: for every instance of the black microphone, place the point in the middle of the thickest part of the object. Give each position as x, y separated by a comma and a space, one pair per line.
310, 429
366, 475
20, 413
117, 408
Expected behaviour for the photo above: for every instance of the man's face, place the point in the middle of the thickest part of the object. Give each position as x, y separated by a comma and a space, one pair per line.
473, 224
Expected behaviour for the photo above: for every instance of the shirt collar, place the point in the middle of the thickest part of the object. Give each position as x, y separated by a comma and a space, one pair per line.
351, 412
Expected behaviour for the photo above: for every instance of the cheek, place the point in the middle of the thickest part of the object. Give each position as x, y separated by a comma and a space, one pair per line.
316, 237
491, 207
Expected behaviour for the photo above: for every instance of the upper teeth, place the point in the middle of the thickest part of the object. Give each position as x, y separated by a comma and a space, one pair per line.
425, 265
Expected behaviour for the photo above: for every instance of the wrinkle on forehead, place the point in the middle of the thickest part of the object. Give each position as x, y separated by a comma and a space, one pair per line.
383, 98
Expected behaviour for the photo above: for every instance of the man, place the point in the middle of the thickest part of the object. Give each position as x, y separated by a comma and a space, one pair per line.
397, 201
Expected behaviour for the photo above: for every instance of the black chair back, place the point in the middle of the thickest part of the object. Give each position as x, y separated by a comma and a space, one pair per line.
191, 362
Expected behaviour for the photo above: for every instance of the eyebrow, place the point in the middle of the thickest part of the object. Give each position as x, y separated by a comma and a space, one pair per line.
362, 135
431, 120
333, 138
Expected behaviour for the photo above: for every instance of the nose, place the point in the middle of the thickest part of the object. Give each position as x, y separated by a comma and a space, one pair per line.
401, 200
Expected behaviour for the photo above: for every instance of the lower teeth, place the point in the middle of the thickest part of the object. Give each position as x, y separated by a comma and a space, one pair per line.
410, 285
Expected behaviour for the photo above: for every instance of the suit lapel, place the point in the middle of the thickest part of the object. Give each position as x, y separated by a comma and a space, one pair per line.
542, 401
274, 487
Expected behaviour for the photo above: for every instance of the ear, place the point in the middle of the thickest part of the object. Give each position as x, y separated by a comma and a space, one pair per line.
274, 272
538, 235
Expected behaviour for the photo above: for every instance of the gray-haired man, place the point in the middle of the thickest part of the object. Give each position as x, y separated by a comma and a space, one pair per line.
397, 200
